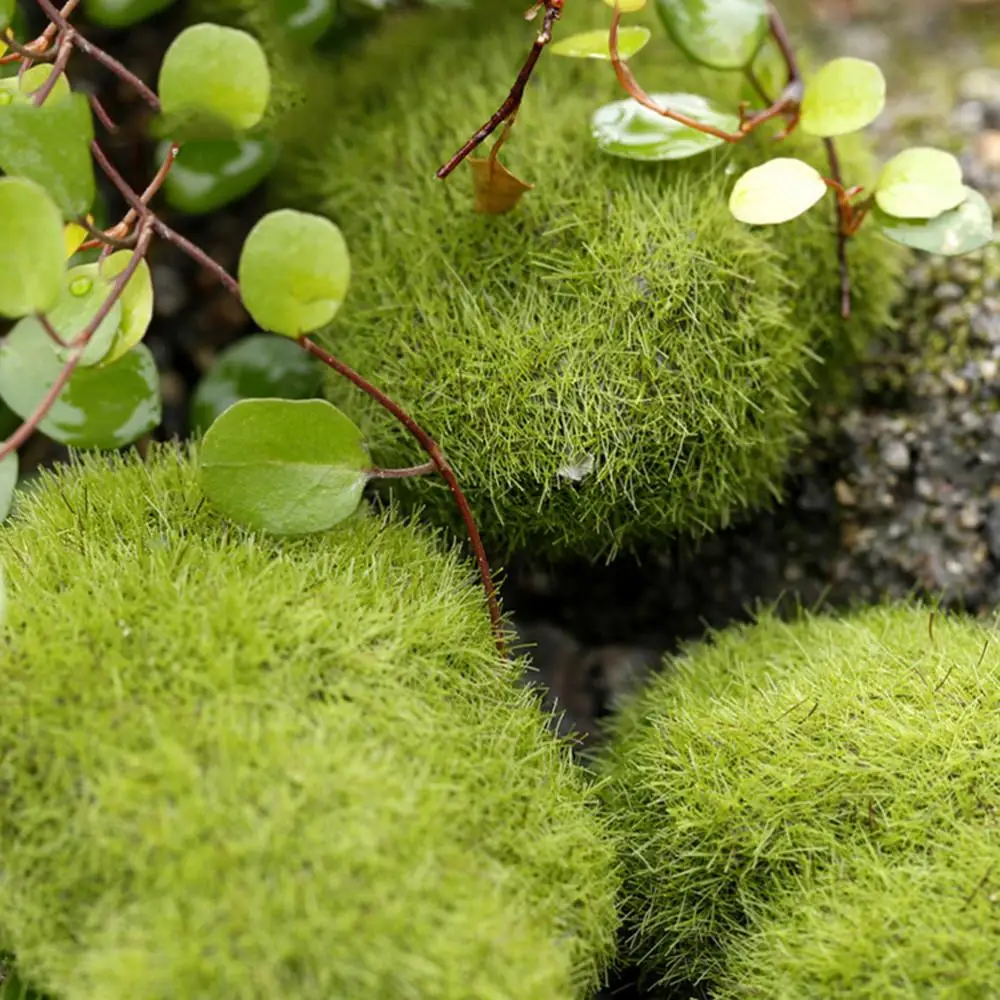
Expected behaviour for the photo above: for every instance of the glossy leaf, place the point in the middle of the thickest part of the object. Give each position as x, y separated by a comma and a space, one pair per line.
305, 21
627, 129
209, 174
261, 366
122, 13
8, 483
51, 146
74, 236
627, 6
496, 190
136, 304
920, 183
723, 34
84, 293
595, 45
294, 271
20, 88
32, 256
285, 467
844, 96
961, 230
776, 191
215, 72
101, 407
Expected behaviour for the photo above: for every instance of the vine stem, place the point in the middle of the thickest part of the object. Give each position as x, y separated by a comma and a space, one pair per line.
409, 473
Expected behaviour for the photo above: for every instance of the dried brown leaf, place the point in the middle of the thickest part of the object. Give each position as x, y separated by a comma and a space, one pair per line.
496, 189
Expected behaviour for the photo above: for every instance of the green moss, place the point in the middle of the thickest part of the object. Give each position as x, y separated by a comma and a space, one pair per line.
241, 767
926, 928
618, 317
777, 753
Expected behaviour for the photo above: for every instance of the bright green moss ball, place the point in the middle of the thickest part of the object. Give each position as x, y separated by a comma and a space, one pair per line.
249, 768
780, 752
922, 930
615, 361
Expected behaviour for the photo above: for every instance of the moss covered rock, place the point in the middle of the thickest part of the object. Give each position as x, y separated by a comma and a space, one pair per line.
617, 360
782, 754
250, 768
926, 928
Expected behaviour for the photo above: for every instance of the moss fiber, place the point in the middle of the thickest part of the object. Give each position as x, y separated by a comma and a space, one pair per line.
778, 755
619, 318
251, 768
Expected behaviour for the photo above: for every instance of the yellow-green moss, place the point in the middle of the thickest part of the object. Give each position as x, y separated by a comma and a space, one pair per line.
241, 767
780, 754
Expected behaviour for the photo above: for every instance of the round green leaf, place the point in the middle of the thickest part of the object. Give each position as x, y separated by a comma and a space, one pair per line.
594, 44
723, 34
216, 72
920, 183
285, 467
84, 292
258, 367
844, 96
8, 483
951, 234
122, 13
51, 146
136, 304
105, 407
20, 88
209, 174
776, 191
7, 8
32, 249
294, 271
305, 21
627, 129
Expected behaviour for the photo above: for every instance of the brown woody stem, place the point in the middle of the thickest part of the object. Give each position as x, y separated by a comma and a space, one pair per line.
413, 471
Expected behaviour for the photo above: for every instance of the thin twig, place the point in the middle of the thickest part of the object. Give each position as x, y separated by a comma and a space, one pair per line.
199, 256
53, 334
106, 238
845, 271
101, 114
414, 470
63, 53
553, 8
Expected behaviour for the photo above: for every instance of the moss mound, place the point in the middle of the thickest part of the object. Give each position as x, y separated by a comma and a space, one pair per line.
250, 768
781, 752
927, 928
616, 361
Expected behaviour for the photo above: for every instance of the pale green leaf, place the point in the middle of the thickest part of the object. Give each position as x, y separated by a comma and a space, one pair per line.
777, 191
216, 72
630, 130
8, 483
844, 96
595, 45
920, 183
723, 34
32, 257
961, 230
136, 303
294, 271
84, 293
287, 467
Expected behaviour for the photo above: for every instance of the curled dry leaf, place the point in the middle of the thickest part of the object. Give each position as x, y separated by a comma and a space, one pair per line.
496, 189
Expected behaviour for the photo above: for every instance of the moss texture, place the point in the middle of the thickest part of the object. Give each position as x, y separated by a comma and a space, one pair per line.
618, 319
927, 929
779, 753
249, 768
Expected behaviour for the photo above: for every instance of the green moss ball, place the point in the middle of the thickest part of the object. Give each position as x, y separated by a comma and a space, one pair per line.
777, 752
241, 767
615, 361
924, 929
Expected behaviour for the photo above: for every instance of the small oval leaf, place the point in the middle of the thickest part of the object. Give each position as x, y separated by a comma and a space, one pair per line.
723, 34
920, 183
775, 192
294, 271
844, 96
8, 483
32, 249
285, 467
84, 292
629, 130
216, 72
101, 407
136, 304
595, 45
963, 229
261, 366
36, 77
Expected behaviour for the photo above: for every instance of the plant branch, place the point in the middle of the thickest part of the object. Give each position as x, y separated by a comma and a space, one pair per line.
63, 53
199, 257
440, 463
509, 108
842, 264
409, 473
41, 411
